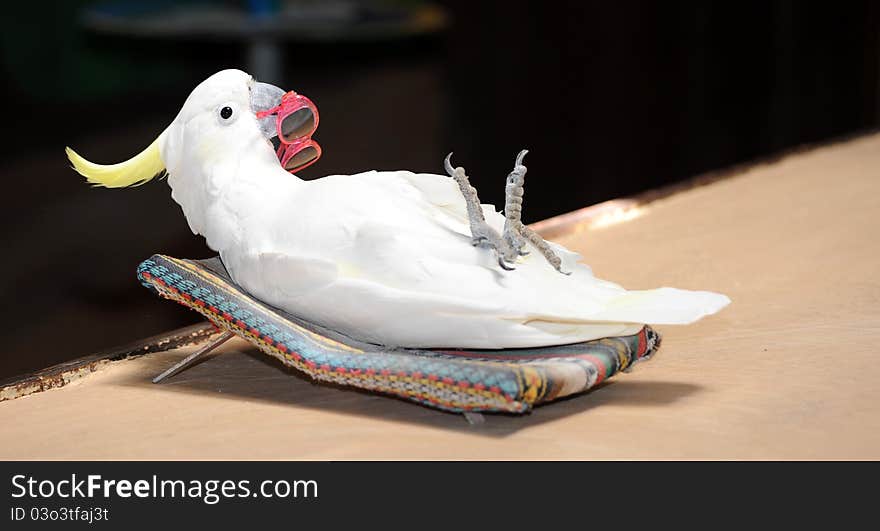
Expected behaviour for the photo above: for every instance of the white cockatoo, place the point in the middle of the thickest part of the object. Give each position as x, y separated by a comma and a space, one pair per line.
390, 257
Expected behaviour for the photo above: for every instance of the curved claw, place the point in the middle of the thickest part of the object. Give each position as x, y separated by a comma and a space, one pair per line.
447, 164
520, 157
503, 265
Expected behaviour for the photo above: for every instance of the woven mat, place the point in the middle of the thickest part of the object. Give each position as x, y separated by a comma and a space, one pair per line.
509, 380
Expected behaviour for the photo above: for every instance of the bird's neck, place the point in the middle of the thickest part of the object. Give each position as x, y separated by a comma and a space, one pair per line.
229, 201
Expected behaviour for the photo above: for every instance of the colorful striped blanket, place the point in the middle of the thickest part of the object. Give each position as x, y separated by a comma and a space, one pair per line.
510, 380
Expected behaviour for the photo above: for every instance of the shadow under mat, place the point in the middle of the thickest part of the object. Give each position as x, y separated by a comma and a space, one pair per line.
249, 374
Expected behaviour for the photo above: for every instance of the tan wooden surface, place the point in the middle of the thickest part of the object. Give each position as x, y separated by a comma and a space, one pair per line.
789, 370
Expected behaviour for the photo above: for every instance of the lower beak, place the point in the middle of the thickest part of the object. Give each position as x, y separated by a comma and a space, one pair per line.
264, 97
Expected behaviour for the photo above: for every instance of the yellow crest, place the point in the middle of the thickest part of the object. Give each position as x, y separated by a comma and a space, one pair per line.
137, 170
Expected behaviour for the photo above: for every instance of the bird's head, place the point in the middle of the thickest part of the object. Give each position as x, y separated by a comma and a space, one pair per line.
218, 124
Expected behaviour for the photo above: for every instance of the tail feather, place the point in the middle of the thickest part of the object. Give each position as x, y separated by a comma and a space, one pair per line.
662, 306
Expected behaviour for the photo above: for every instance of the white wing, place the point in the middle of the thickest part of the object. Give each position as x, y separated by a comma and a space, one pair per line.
387, 257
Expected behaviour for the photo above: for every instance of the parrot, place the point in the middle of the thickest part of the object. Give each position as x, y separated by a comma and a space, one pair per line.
394, 258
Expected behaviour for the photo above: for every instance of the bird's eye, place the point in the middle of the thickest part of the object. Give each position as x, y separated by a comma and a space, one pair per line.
226, 112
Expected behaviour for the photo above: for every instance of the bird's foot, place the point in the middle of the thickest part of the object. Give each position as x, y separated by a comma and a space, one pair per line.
515, 233
482, 234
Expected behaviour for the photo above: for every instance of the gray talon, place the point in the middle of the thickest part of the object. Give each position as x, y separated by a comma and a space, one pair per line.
503, 265
447, 163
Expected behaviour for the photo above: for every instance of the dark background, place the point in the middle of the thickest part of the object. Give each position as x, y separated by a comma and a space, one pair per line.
612, 98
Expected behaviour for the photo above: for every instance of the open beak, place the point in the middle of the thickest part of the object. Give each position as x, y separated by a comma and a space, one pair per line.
264, 97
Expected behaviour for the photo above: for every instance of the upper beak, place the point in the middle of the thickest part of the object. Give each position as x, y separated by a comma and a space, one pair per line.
264, 97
